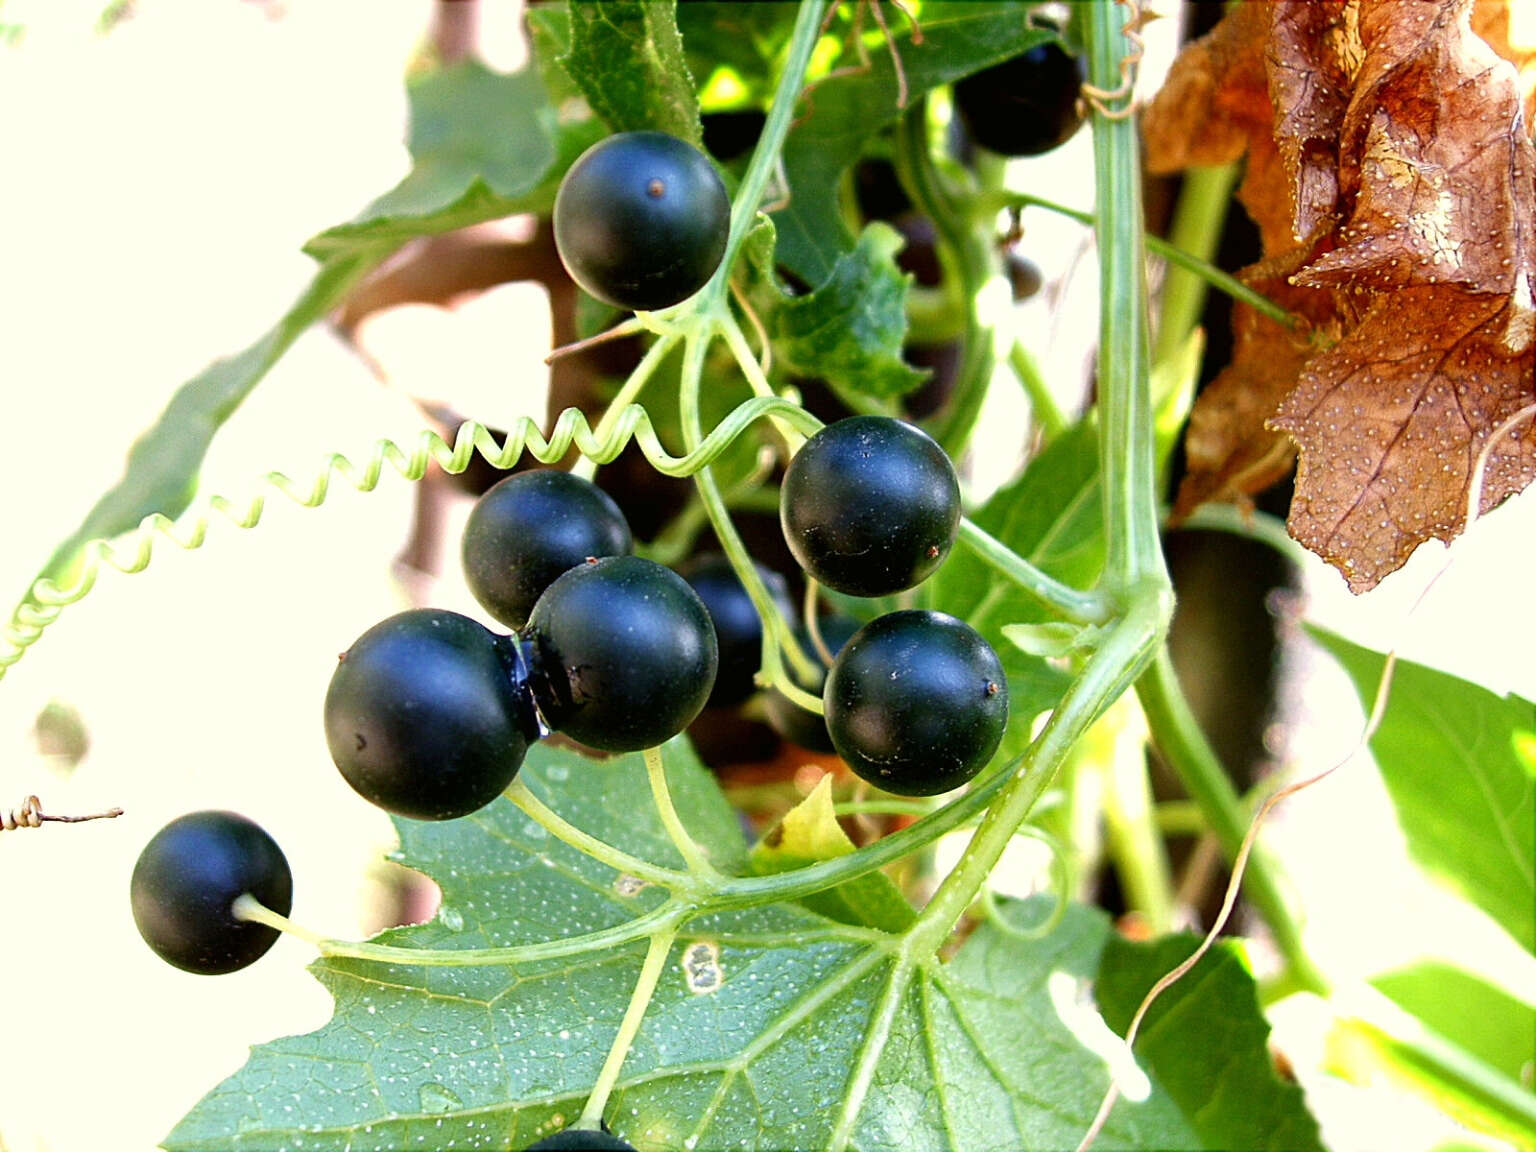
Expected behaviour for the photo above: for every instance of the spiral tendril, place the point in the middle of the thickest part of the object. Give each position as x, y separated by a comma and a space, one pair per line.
46, 599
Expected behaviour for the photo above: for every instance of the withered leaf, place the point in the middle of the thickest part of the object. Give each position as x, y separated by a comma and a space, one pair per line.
1410, 181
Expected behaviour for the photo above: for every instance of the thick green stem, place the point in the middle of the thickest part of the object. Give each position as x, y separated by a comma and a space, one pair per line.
1111, 670
1177, 736
1133, 547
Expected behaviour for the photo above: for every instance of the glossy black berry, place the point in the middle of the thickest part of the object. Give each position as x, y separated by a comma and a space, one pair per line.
916, 702
1025, 106
581, 1140
870, 505
188, 877
428, 714
623, 654
738, 628
788, 719
641, 220
527, 530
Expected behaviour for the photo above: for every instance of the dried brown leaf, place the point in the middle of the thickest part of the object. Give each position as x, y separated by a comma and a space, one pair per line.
1398, 185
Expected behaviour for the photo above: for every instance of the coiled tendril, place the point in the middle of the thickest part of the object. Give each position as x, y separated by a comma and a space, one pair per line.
47, 599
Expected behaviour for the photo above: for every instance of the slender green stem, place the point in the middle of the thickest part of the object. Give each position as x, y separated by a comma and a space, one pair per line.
629, 1027
1196, 232
749, 194
1215, 277
1134, 839
1047, 413
682, 840
1177, 736
1079, 607
967, 256
567, 833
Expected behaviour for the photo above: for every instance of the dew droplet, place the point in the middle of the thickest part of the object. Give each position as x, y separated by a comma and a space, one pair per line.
452, 918
436, 1098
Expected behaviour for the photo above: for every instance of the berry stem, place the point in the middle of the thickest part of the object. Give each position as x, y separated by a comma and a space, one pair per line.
698, 863
645, 987
557, 826
663, 918
1078, 607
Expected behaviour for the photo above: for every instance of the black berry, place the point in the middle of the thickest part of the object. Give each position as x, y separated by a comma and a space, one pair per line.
870, 505
527, 530
188, 877
1025, 106
738, 628
623, 654
916, 702
641, 220
581, 1140
428, 715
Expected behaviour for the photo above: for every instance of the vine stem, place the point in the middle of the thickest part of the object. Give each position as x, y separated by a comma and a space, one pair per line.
1135, 576
645, 986
1176, 734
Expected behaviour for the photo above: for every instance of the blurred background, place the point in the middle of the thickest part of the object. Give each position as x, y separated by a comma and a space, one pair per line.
164, 160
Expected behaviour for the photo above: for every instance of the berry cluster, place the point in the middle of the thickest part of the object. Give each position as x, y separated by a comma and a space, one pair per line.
429, 714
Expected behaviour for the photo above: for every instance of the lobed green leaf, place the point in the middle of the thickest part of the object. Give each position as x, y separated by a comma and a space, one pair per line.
771, 1027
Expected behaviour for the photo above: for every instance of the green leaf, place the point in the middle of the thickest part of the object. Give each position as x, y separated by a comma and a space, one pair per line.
1486, 1020
803, 1023
1449, 753
483, 146
842, 113
810, 833
1051, 516
1205, 1042
849, 331
627, 57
